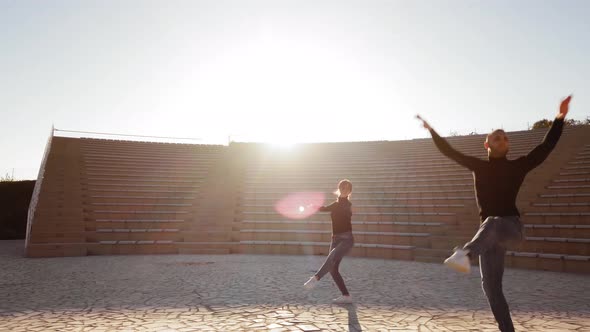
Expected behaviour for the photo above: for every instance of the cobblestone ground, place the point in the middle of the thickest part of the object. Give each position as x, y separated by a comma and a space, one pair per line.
253, 292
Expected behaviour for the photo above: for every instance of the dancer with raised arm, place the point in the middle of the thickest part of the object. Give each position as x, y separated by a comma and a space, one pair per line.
497, 182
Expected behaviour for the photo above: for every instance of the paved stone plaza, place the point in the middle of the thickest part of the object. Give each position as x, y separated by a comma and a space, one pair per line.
252, 293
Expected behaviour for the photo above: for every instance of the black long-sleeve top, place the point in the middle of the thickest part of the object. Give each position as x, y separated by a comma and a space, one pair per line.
341, 213
498, 180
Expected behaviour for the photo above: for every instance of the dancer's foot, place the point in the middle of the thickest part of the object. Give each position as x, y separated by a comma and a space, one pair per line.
459, 261
311, 283
344, 299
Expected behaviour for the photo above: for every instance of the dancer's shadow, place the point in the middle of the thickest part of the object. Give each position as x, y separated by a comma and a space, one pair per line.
353, 321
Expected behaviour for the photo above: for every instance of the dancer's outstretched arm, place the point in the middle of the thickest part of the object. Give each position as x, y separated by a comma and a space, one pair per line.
327, 208
542, 151
445, 148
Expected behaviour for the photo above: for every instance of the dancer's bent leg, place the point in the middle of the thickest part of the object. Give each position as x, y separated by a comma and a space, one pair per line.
495, 231
341, 245
338, 278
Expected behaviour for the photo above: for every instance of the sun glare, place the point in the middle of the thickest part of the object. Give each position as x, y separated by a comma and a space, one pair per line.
300, 205
283, 144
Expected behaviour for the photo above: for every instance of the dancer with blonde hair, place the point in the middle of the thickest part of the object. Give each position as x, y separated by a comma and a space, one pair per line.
342, 241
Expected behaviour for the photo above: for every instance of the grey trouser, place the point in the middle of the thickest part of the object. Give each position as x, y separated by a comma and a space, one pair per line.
490, 243
340, 246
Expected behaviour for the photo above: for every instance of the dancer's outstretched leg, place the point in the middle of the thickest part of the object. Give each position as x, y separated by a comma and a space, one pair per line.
493, 231
341, 245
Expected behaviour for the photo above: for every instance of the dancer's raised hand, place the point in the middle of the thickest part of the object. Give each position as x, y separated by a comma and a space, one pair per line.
564, 108
424, 123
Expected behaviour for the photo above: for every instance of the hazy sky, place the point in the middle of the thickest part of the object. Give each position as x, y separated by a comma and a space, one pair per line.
284, 70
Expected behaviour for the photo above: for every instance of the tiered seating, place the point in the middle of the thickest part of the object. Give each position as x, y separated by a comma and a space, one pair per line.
409, 201
132, 197
558, 219
55, 224
398, 205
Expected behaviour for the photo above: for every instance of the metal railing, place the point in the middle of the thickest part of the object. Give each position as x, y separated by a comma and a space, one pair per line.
37, 189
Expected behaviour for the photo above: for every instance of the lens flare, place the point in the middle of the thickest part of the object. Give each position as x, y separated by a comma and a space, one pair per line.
300, 205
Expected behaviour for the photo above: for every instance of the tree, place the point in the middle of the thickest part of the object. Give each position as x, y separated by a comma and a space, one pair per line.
7, 178
542, 124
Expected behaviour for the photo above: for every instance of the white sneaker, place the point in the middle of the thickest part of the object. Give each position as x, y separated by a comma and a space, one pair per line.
311, 283
459, 261
344, 299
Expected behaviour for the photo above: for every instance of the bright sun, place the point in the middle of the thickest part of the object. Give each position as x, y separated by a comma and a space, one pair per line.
283, 144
